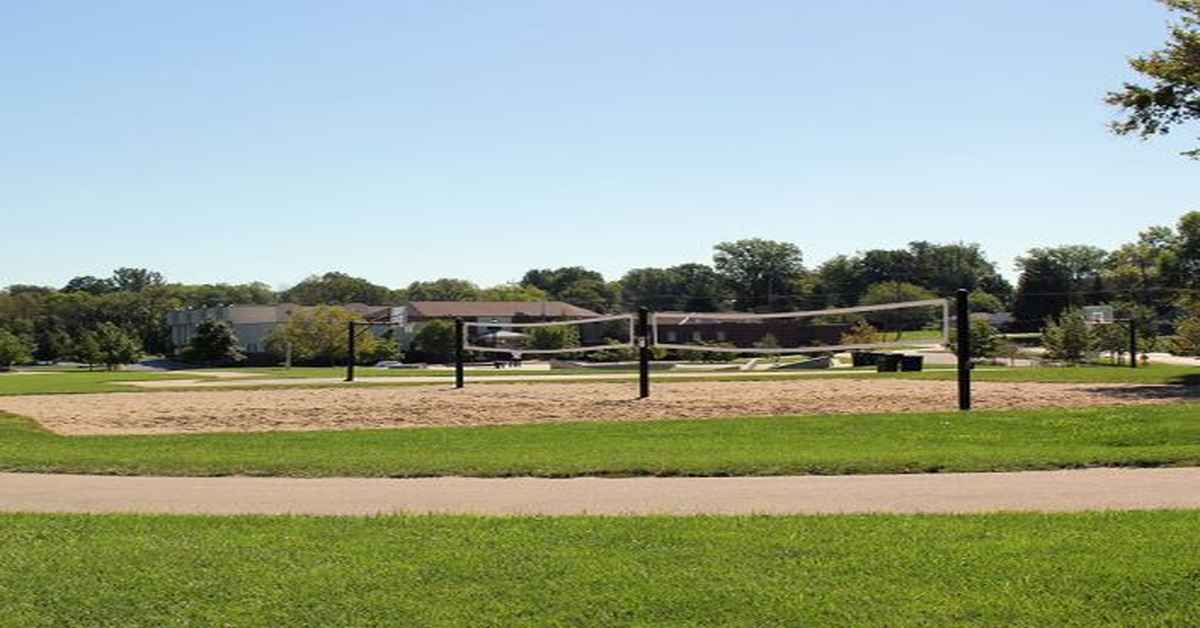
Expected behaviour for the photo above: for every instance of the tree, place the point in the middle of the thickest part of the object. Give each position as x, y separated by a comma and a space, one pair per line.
434, 342
980, 301
554, 337
135, 279
513, 292
52, 343
1140, 270
984, 339
444, 289
575, 285
655, 288
841, 281
1187, 334
384, 349
321, 335
1056, 278
861, 333
14, 349
116, 347
210, 295
334, 288
1070, 339
90, 285
1112, 339
686, 287
87, 349
1183, 269
1173, 98
213, 343
899, 320
761, 273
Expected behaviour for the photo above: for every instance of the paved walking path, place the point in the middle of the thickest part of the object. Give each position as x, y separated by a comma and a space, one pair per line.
1050, 491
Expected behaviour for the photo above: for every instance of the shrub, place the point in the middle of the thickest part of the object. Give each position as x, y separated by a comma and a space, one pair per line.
1187, 334
1070, 339
116, 347
554, 337
435, 342
861, 333
214, 343
984, 339
14, 349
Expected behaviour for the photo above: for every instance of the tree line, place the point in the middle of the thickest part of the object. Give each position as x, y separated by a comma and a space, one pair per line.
1152, 277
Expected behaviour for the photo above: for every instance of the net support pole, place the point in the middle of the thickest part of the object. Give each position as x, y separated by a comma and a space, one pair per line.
1133, 344
963, 321
643, 330
351, 352
459, 338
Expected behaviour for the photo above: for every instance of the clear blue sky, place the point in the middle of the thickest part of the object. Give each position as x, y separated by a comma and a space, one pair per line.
230, 141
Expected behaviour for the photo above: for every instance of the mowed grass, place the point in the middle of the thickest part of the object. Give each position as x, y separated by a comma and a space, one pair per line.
58, 382
104, 382
1094, 569
898, 443
1156, 374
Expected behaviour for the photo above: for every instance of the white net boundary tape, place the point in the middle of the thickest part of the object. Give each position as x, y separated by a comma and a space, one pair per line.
739, 317
631, 343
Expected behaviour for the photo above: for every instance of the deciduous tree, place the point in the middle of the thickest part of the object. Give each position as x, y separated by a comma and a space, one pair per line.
1173, 96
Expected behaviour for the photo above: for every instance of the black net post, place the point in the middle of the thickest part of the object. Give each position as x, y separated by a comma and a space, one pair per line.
643, 332
1133, 349
459, 328
962, 311
350, 347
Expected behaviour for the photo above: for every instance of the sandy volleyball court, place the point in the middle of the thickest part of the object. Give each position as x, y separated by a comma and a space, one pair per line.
494, 404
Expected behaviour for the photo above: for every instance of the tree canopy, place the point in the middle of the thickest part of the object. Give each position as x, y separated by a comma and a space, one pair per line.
761, 274
1172, 97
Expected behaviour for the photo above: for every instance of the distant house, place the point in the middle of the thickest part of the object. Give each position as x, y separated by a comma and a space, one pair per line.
494, 311
252, 324
415, 315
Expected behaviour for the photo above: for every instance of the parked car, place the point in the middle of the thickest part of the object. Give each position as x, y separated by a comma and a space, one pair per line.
387, 364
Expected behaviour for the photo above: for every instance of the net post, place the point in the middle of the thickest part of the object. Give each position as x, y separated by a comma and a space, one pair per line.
459, 338
351, 352
643, 329
964, 348
1132, 343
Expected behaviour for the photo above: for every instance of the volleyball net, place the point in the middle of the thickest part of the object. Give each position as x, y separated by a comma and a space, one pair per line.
906, 325
602, 333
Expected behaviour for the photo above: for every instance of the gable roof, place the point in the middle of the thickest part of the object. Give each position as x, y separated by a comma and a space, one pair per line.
468, 309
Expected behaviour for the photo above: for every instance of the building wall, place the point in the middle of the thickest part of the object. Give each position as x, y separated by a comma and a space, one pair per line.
250, 323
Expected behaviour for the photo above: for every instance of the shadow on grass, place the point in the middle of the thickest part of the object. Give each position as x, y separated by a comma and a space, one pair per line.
1174, 391
1191, 379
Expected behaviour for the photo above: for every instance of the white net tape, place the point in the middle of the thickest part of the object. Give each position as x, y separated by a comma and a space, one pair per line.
784, 332
600, 333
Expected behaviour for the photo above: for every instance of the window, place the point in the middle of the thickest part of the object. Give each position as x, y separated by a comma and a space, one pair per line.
671, 336
721, 336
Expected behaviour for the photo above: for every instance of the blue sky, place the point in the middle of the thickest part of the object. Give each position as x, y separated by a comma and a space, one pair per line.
216, 141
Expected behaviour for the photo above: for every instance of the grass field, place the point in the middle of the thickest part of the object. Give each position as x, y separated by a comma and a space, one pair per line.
100, 381
1127, 569
904, 443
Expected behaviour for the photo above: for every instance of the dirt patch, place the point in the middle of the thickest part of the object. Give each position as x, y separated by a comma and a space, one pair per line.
494, 404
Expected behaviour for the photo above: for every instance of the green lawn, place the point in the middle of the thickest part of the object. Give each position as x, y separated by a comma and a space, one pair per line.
100, 381
77, 381
1098, 569
901, 443
1092, 374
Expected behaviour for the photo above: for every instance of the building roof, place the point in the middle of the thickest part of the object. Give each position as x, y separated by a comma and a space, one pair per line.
697, 318
467, 309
